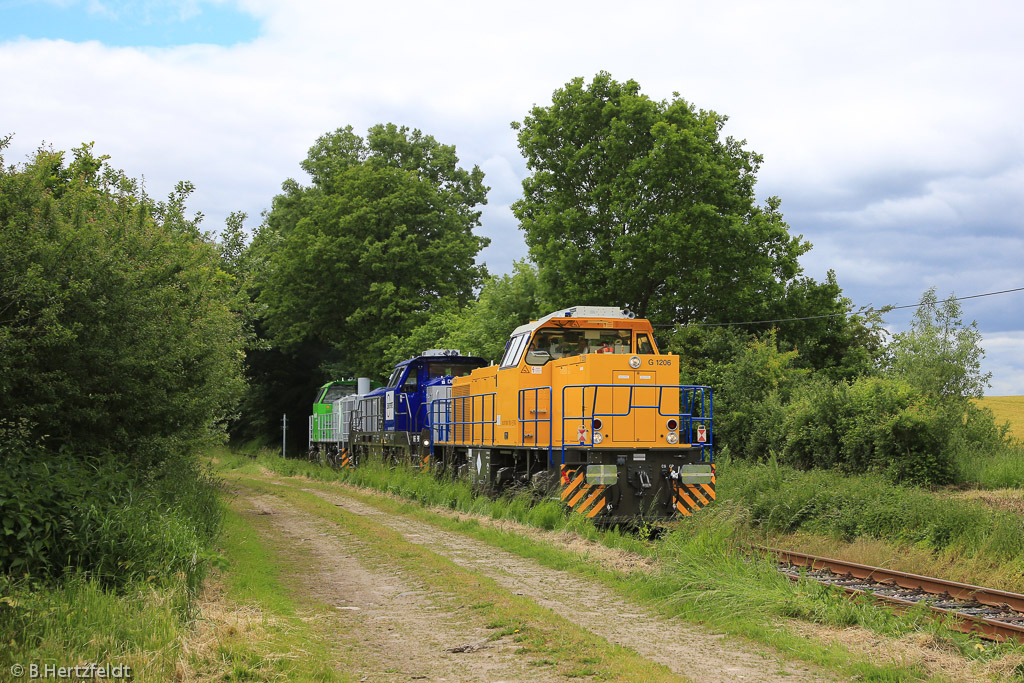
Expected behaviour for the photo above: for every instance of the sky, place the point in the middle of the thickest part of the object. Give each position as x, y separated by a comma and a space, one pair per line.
891, 131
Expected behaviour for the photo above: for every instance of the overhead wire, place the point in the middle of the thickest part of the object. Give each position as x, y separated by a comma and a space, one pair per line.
883, 309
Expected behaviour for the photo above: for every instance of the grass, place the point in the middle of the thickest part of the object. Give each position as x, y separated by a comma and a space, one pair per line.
83, 621
258, 629
1004, 468
782, 500
704, 573
540, 634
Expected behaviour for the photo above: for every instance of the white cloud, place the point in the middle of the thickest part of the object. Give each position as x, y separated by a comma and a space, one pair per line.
1003, 360
891, 131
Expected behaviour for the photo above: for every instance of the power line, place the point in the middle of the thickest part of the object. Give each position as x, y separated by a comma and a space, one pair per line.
883, 309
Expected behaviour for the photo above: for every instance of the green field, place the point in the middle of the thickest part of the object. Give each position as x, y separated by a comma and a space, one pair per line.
1007, 409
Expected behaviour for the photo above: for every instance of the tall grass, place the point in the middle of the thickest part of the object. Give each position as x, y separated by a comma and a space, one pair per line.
785, 500
1004, 470
100, 563
82, 621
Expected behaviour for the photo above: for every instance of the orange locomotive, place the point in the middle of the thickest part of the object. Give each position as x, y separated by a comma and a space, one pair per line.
583, 400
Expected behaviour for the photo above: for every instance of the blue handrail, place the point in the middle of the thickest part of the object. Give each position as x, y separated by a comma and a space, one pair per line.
696, 408
450, 405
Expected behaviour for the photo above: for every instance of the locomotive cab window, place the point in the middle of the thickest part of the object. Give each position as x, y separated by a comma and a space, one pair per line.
409, 386
644, 345
549, 344
514, 350
395, 376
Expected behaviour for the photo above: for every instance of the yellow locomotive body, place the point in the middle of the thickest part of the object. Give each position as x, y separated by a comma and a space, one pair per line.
582, 399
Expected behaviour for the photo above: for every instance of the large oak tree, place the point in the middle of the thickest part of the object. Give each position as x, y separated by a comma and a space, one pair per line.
644, 204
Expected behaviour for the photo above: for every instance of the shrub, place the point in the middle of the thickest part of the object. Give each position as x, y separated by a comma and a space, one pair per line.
749, 404
120, 336
872, 424
95, 518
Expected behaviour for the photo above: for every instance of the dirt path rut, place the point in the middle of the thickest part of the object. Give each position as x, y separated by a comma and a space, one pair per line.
400, 631
690, 652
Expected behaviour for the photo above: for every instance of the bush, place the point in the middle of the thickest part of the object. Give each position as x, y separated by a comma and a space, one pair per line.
120, 335
749, 404
92, 517
872, 424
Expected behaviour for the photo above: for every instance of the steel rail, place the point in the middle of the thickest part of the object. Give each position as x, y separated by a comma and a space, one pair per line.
998, 600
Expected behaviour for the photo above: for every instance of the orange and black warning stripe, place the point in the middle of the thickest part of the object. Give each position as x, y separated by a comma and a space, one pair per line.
581, 497
345, 459
688, 498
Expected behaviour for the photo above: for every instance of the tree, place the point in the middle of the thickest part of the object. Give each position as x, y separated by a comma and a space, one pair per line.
505, 303
939, 354
643, 204
117, 333
482, 327
381, 240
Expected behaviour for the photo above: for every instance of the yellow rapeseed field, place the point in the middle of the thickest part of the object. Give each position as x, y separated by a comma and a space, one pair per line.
1007, 409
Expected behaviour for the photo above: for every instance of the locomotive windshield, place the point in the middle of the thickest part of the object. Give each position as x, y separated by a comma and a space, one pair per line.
336, 391
449, 369
559, 343
395, 376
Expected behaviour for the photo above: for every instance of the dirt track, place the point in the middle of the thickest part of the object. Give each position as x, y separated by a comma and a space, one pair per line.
400, 629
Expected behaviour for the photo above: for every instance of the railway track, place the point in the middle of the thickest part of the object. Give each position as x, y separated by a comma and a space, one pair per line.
992, 614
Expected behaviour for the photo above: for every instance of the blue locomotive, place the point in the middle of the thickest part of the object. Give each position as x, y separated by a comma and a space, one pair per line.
392, 422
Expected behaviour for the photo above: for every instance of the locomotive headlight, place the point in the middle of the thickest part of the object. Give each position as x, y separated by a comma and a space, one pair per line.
634, 362
598, 438
672, 438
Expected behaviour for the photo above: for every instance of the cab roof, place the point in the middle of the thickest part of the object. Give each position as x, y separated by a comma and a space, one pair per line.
449, 355
576, 312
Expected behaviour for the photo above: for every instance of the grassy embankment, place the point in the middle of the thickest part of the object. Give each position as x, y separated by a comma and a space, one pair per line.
704, 574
